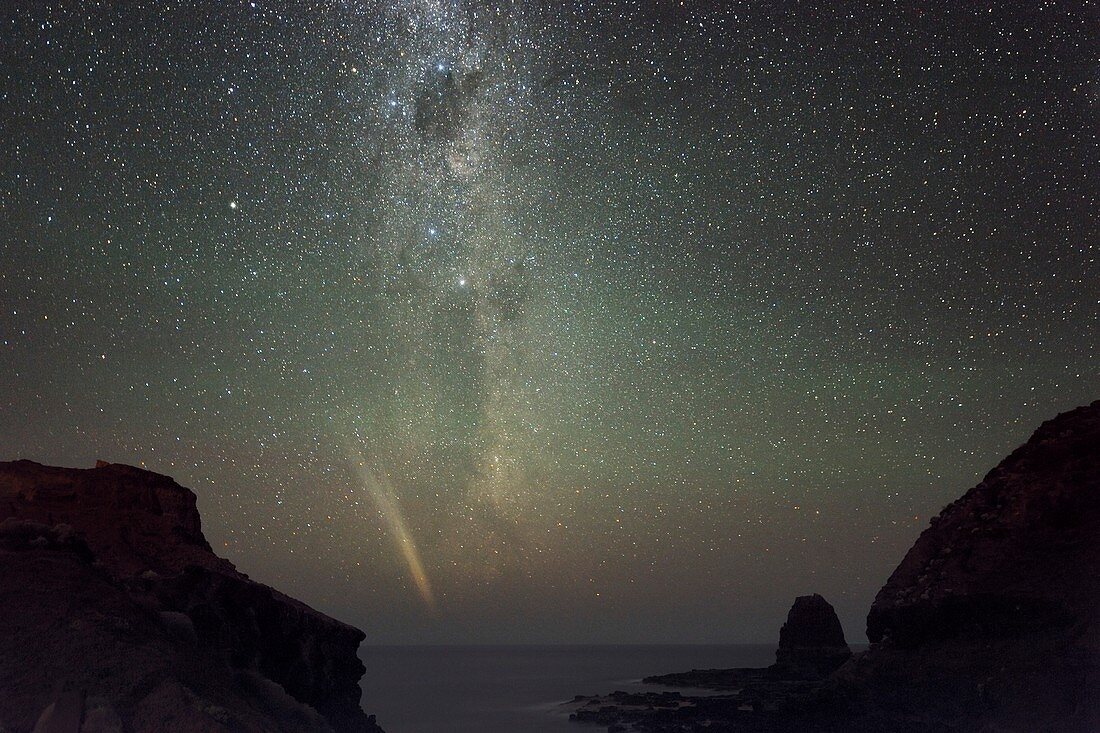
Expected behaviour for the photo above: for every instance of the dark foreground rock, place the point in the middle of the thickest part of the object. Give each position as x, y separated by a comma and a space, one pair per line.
116, 616
991, 623
811, 645
992, 619
811, 642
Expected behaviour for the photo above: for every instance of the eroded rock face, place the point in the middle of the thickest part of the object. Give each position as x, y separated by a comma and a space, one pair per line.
111, 596
811, 642
1018, 553
133, 520
991, 619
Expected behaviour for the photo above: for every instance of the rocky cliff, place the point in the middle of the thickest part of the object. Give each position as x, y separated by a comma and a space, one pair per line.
993, 617
115, 615
991, 623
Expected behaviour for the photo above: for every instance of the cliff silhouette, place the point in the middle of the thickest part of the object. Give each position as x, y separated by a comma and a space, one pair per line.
116, 615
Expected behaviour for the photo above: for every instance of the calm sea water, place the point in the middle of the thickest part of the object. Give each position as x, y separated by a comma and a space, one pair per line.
518, 689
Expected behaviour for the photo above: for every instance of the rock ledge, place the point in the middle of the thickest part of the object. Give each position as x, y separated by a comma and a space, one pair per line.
115, 615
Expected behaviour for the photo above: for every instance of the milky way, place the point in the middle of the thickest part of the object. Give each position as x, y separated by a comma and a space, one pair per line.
615, 321
451, 95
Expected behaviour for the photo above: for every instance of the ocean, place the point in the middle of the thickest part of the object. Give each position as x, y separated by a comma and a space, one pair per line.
518, 689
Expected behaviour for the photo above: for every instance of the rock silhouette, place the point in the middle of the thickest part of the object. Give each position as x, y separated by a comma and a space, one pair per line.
115, 613
811, 642
991, 622
993, 617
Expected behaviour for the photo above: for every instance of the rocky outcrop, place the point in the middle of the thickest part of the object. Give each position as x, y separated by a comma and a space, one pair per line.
773, 699
1019, 552
113, 604
134, 521
990, 623
811, 646
993, 617
811, 642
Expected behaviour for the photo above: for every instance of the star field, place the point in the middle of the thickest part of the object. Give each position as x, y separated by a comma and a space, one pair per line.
565, 322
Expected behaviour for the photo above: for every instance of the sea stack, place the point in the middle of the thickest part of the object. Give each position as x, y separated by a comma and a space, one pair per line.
115, 615
811, 642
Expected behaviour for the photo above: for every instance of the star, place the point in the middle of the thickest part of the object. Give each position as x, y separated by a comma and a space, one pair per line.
593, 288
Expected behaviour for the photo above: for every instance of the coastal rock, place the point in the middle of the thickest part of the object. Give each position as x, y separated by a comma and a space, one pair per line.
811, 646
811, 642
993, 617
1017, 553
133, 520
111, 596
761, 699
990, 623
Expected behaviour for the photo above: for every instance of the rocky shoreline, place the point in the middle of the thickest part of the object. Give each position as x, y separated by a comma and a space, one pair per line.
990, 623
811, 646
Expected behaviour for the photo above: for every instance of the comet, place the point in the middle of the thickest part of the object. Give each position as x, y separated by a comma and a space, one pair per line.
385, 499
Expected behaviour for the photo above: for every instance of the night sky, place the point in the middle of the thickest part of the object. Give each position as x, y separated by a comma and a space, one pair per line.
527, 322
